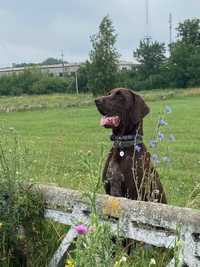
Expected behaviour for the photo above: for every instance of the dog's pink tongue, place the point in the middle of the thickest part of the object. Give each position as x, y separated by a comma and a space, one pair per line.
110, 121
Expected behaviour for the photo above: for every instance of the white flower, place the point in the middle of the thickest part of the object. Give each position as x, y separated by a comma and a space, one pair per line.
123, 259
152, 262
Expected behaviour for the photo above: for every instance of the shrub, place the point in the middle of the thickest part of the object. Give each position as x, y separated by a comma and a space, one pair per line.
32, 81
156, 81
17, 84
48, 85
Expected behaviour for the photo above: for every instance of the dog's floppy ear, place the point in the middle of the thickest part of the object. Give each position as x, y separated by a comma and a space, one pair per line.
139, 109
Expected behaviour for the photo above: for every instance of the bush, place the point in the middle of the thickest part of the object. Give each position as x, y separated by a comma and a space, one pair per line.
156, 81
9, 85
32, 81
48, 85
17, 84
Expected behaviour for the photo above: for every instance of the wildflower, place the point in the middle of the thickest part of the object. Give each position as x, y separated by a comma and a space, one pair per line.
155, 159
81, 229
161, 136
70, 263
1, 225
167, 110
118, 263
162, 122
166, 159
172, 138
123, 259
138, 148
153, 143
152, 262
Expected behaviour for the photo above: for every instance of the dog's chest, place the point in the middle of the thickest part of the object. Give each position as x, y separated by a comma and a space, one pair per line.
114, 171
117, 168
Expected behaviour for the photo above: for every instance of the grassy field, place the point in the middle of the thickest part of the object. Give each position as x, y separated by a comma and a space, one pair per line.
35, 102
60, 139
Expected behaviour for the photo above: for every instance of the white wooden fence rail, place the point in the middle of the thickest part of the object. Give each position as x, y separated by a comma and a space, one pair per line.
156, 224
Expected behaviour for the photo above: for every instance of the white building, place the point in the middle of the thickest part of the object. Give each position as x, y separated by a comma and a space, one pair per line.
60, 69
128, 65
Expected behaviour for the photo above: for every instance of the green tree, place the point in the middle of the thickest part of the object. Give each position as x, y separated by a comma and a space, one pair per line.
151, 55
51, 61
103, 65
189, 31
184, 62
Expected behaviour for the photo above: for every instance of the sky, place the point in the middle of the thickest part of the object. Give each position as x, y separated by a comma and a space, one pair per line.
31, 31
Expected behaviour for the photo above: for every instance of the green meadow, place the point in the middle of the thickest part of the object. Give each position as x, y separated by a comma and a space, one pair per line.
59, 140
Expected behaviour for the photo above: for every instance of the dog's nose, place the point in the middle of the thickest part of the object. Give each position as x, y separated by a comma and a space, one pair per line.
98, 101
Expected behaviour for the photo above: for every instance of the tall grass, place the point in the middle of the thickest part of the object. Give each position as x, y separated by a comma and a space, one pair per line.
25, 237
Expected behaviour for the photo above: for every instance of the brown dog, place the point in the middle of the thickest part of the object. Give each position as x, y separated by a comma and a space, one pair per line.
128, 171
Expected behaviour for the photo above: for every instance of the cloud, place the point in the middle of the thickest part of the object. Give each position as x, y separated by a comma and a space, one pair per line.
34, 30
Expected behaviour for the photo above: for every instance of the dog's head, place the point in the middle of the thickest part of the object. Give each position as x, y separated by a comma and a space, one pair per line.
122, 110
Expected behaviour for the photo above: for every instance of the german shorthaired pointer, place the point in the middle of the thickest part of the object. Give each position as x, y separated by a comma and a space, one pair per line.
128, 171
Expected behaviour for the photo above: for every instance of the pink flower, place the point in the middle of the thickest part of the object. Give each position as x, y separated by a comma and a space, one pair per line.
81, 229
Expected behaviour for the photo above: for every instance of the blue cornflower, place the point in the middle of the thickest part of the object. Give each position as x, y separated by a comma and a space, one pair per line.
161, 136
138, 148
155, 159
162, 122
172, 138
153, 143
166, 159
167, 110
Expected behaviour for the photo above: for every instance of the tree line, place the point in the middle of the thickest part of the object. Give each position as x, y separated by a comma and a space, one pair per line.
180, 68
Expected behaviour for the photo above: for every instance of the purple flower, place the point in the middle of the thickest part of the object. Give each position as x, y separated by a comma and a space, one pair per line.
172, 138
81, 229
168, 110
155, 159
153, 143
161, 136
162, 122
138, 148
166, 159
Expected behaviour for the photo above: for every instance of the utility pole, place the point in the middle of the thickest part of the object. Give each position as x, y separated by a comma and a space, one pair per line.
147, 36
76, 80
62, 59
170, 31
